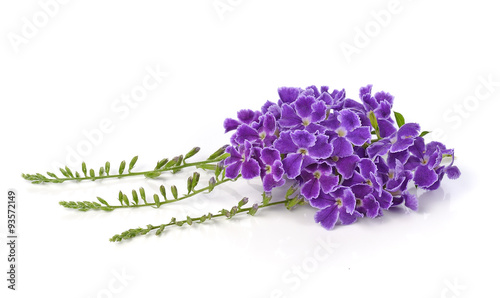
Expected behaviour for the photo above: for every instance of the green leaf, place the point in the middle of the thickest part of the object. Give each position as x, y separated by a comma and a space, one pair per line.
157, 200
192, 152
254, 209
265, 199
211, 184
120, 197
373, 120
163, 192
424, 133
106, 168
153, 174
125, 199
132, 163
102, 201
69, 172
135, 197
173, 189
161, 163
242, 202
217, 153
52, 175
122, 167
143, 195
190, 184
196, 179
400, 120
64, 173
84, 169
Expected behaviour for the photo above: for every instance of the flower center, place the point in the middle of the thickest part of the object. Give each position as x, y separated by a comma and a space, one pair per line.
359, 202
341, 132
391, 174
262, 135
306, 122
317, 174
393, 140
369, 182
338, 202
425, 161
335, 158
302, 151
268, 169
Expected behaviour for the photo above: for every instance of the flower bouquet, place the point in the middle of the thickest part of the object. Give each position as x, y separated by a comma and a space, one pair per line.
349, 159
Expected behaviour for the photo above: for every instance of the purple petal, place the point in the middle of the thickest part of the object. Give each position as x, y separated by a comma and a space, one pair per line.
285, 144
359, 135
425, 177
366, 167
322, 201
410, 201
303, 139
277, 170
247, 116
318, 111
412, 163
250, 169
288, 94
383, 111
386, 128
378, 148
292, 164
384, 96
310, 190
327, 217
401, 144
349, 119
269, 155
361, 190
409, 130
453, 172
347, 218
348, 200
371, 206
418, 147
233, 170
288, 117
328, 182
269, 123
234, 157
346, 165
342, 147
365, 90
385, 199
326, 98
230, 124
303, 105
246, 133
322, 149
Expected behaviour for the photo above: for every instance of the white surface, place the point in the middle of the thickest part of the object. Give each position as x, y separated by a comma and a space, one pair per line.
67, 77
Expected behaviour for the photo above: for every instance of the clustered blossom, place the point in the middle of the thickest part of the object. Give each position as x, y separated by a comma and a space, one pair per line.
350, 159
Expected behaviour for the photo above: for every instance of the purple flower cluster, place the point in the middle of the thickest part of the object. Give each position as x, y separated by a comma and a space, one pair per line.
351, 159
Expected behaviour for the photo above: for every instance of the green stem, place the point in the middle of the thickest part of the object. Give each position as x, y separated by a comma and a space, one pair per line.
85, 205
142, 231
37, 178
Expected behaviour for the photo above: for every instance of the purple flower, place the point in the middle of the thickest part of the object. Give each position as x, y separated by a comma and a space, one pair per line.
262, 132
302, 148
365, 201
396, 142
339, 204
271, 168
316, 177
244, 117
346, 131
305, 113
345, 166
241, 160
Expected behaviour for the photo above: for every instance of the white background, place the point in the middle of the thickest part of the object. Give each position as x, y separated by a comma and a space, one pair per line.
66, 67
